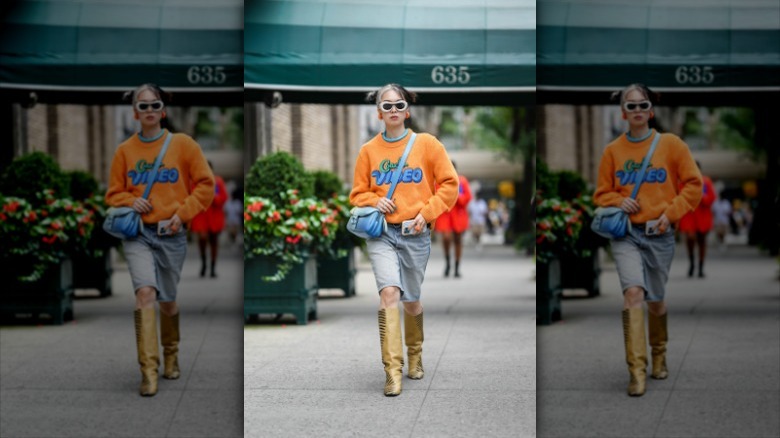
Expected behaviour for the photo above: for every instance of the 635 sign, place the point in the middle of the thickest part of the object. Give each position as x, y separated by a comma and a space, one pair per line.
206, 75
694, 74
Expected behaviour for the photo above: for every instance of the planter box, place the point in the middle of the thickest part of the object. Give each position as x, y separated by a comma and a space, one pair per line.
581, 273
337, 273
296, 294
50, 299
548, 292
93, 273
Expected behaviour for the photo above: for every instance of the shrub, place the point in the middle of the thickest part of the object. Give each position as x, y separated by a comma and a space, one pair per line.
82, 185
327, 184
272, 175
31, 174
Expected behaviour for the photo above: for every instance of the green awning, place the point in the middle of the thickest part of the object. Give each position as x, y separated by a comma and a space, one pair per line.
681, 46
336, 50
72, 47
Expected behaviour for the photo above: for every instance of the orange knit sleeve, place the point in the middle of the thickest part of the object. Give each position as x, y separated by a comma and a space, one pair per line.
117, 194
202, 179
361, 194
444, 175
607, 194
690, 178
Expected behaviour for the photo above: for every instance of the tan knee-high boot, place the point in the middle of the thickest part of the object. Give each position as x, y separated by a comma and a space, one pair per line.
169, 334
636, 349
392, 349
658, 337
148, 350
413, 326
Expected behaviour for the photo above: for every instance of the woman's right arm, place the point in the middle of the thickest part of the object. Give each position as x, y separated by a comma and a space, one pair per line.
117, 194
361, 194
606, 194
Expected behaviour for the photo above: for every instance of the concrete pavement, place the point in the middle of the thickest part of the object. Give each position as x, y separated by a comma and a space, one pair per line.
326, 378
723, 358
81, 379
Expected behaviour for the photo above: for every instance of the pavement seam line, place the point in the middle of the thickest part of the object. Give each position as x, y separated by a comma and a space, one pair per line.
189, 375
438, 360
677, 374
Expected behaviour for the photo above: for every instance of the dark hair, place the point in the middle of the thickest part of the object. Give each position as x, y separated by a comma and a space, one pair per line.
374, 96
164, 96
620, 95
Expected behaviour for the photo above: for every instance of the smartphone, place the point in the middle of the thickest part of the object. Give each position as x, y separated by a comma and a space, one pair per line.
407, 228
651, 228
164, 228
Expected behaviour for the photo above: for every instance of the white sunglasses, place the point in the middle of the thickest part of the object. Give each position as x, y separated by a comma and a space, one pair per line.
157, 105
633, 106
386, 106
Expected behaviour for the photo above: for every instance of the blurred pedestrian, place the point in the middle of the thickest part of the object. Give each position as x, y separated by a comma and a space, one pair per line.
234, 214
697, 224
399, 258
721, 214
209, 224
478, 211
156, 256
644, 256
453, 223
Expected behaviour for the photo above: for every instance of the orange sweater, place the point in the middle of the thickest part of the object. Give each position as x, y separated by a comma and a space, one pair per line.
182, 165
427, 165
672, 182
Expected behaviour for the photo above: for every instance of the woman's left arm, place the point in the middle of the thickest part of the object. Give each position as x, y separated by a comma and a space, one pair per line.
203, 183
690, 178
446, 177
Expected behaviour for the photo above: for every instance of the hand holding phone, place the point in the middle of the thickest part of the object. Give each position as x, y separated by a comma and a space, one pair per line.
651, 228
407, 228
164, 228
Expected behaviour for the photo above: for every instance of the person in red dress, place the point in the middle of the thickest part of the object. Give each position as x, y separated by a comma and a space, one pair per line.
451, 225
208, 224
697, 224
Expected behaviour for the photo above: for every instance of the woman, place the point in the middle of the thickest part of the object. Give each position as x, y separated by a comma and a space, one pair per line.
453, 223
644, 256
156, 256
399, 261
697, 224
209, 224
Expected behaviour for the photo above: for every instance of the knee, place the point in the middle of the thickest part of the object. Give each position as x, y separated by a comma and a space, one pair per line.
146, 295
634, 294
413, 308
390, 296
657, 308
169, 308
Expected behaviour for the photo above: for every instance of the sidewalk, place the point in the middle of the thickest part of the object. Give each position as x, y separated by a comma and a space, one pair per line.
325, 379
81, 379
723, 357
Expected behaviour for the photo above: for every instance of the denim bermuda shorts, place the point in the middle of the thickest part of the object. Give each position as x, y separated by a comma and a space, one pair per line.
156, 261
400, 261
644, 261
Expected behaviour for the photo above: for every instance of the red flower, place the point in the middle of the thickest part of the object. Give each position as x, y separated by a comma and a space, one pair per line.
325, 232
3, 217
255, 206
287, 213
247, 217
300, 225
569, 231
276, 216
313, 207
68, 207
56, 225
293, 201
12, 207
293, 240
556, 207
49, 239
